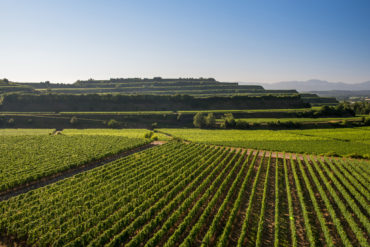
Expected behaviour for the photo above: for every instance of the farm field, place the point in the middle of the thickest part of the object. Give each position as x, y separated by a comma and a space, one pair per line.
26, 157
130, 133
253, 111
17, 132
198, 195
342, 141
299, 120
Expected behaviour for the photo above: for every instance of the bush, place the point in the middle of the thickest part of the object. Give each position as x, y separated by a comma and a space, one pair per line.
149, 134
113, 123
11, 122
154, 138
240, 124
73, 120
331, 153
177, 139
355, 156
367, 121
229, 121
154, 125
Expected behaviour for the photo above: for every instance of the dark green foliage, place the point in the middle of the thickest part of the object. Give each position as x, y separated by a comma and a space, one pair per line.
199, 120
113, 124
149, 134
229, 121
361, 107
210, 120
367, 121
341, 110
240, 124
109, 102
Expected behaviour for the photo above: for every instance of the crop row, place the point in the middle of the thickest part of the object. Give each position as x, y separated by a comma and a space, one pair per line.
27, 158
197, 195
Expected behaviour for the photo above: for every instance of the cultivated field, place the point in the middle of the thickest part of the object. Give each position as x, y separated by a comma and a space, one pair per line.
195, 194
343, 141
27, 158
130, 133
17, 132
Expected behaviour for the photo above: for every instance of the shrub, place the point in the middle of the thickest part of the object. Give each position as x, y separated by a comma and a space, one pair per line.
11, 121
149, 134
240, 124
154, 138
113, 123
154, 125
367, 121
73, 120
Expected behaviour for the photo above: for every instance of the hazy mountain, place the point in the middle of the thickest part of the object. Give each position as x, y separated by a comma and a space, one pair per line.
315, 85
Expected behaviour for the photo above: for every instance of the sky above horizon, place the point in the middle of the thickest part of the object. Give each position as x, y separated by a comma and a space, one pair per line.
245, 41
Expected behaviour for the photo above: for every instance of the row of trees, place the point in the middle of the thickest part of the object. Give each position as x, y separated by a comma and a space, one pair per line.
209, 121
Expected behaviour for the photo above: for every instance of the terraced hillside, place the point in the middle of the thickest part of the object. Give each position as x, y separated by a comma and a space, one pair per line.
198, 195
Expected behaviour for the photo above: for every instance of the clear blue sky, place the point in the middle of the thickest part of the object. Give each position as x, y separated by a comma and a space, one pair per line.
254, 40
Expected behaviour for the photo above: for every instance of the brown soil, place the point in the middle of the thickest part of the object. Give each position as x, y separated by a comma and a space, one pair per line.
256, 207
268, 231
239, 219
298, 216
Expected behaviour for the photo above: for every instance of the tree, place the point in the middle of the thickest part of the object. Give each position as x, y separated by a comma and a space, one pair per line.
199, 120
211, 120
229, 121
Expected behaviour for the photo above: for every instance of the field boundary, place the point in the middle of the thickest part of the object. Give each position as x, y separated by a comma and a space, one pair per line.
4, 195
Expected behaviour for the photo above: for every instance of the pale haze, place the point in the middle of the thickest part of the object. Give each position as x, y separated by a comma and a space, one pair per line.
251, 41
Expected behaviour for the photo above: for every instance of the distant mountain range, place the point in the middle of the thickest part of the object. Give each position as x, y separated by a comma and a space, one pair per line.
314, 85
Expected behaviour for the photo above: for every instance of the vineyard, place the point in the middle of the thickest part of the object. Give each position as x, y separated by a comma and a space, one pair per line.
28, 158
198, 195
340, 142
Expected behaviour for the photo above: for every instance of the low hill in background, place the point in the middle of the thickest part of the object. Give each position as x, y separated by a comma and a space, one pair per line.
315, 85
195, 87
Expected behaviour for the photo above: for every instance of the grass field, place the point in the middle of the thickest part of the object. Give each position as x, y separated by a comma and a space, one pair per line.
344, 141
299, 120
131, 133
254, 111
198, 195
16, 132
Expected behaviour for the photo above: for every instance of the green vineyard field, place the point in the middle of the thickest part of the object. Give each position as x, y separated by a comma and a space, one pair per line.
26, 158
181, 194
340, 142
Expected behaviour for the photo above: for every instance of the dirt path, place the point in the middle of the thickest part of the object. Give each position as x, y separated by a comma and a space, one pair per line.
71, 172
